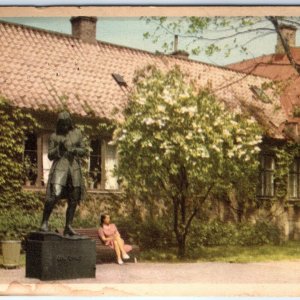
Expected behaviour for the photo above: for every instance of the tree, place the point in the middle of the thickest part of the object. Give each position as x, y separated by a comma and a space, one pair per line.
179, 144
220, 34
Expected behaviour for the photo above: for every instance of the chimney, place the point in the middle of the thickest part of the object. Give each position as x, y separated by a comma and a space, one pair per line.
289, 34
179, 53
84, 28
175, 42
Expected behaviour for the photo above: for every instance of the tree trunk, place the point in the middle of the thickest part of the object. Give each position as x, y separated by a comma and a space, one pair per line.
180, 236
240, 211
181, 247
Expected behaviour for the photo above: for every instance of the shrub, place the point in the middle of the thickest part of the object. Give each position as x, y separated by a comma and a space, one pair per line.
217, 233
155, 234
260, 233
15, 224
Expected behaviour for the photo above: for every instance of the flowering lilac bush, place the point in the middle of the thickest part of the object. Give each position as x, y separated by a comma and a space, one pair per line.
179, 143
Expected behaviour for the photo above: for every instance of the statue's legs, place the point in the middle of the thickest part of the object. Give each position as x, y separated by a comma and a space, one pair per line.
74, 197
56, 191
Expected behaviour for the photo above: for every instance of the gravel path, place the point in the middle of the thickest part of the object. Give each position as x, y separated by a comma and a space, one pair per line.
255, 279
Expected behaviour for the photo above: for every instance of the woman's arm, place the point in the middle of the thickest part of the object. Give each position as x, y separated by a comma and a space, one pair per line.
116, 232
103, 237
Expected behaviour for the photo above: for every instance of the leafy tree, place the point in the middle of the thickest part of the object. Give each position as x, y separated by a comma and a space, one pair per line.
179, 144
220, 34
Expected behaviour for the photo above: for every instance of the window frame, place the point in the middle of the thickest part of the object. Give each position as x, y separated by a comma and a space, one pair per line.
97, 185
30, 182
266, 177
295, 173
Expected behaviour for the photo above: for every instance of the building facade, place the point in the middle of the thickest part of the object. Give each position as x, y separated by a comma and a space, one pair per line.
44, 72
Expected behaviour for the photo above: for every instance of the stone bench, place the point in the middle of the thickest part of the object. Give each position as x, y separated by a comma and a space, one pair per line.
105, 254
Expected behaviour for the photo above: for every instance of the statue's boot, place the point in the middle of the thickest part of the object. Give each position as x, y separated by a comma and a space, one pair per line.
46, 214
69, 219
44, 227
69, 231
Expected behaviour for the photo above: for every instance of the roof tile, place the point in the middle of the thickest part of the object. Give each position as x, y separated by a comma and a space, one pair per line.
46, 66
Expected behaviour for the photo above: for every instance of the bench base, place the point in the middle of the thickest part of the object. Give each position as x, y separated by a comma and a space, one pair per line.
107, 255
50, 256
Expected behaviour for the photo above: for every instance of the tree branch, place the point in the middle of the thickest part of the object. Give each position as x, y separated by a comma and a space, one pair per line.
196, 209
285, 44
218, 38
175, 216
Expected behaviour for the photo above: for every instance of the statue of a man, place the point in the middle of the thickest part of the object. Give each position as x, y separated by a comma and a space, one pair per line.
65, 179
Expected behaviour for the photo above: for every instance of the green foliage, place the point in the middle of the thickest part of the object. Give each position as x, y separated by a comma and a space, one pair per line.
16, 224
296, 112
155, 234
14, 124
16, 206
179, 143
213, 35
217, 233
209, 35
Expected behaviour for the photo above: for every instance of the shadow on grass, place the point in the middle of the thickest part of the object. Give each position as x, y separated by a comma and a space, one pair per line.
231, 254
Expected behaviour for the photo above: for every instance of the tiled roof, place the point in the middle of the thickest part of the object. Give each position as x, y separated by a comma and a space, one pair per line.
40, 69
276, 67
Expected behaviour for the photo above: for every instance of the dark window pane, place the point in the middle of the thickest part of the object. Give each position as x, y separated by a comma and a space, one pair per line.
294, 179
266, 182
30, 158
95, 163
269, 189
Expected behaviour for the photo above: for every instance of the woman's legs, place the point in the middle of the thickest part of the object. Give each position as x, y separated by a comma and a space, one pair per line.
120, 242
118, 251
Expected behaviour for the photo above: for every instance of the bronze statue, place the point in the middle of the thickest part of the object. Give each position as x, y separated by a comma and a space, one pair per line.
65, 179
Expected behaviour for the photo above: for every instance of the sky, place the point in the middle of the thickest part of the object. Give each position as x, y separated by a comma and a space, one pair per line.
128, 31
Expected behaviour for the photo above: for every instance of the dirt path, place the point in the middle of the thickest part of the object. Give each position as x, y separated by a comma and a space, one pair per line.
151, 279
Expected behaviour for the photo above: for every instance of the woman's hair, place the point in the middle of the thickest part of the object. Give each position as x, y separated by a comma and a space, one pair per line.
102, 217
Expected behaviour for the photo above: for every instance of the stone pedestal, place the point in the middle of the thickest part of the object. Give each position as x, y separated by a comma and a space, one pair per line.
50, 256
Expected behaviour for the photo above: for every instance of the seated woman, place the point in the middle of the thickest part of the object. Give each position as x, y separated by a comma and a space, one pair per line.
110, 235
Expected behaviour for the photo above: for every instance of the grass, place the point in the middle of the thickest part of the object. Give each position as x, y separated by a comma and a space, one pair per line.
289, 251
232, 254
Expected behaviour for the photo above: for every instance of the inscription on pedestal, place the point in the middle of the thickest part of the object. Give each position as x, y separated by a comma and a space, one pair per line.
67, 259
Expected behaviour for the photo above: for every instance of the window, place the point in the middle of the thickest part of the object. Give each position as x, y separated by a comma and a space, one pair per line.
294, 178
46, 163
30, 159
95, 164
260, 94
110, 162
266, 186
101, 163
119, 79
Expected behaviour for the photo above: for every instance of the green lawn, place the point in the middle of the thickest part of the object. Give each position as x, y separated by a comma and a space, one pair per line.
231, 254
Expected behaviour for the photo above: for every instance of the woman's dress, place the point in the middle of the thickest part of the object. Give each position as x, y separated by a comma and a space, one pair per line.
109, 231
